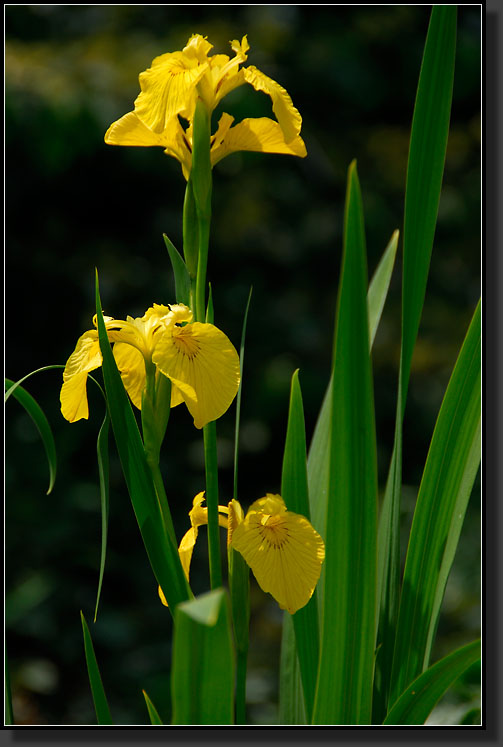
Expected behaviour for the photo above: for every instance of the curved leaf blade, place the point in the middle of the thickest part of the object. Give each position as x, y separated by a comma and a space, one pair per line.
448, 477
37, 415
101, 707
416, 703
161, 549
155, 719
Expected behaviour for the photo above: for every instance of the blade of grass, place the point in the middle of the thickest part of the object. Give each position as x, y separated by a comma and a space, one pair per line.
104, 470
294, 491
182, 279
203, 662
344, 687
161, 549
155, 719
450, 470
428, 142
416, 703
238, 397
101, 707
37, 415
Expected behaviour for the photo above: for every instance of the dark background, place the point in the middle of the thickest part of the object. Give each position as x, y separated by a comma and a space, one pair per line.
73, 204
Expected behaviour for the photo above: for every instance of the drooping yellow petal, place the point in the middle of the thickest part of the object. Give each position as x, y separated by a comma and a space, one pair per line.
131, 365
261, 135
204, 365
86, 357
198, 516
283, 550
130, 130
287, 115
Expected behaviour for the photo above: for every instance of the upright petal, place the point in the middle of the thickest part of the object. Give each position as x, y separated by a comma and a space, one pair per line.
168, 88
204, 365
283, 550
287, 115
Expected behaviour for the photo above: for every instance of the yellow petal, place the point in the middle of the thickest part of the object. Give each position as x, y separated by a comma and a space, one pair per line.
261, 135
168, 88
130, 130
283, 550
287, 115
86, 357
204, 365
131, 365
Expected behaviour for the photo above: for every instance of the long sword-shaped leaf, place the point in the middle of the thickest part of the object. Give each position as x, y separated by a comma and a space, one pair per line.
155, 719
37, 415
161, 550
449, 474
416, 703
428, 142
202, 677
317, 463
104, 470
295, 494
99, 698
344, 688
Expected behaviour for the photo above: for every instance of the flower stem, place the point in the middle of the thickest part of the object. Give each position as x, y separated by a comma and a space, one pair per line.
211, 469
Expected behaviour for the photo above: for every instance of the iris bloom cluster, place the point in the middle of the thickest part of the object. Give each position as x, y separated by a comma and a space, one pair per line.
281, 547
198, 358
173, 84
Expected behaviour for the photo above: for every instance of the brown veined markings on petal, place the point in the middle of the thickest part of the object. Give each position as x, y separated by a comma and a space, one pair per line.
185, 342
274, 531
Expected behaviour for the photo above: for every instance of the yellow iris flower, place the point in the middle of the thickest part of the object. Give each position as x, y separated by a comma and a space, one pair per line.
170, 89
282, 548
198, 358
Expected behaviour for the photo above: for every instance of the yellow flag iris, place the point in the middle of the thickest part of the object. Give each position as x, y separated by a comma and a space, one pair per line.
199, 359
170, 89
281, 547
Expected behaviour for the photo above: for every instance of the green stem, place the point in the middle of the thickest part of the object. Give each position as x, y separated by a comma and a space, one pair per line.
211, 468
241, 663
204, 239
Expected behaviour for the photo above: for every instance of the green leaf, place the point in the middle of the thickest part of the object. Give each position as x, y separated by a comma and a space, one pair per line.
155, 719
294, 492
430, 127
182, 279
344, 689
379, 285
415, 704
318, 458
291, 699
104, 470
99, 698
37, 415
238, 397
161, 549
202, 673
451, 467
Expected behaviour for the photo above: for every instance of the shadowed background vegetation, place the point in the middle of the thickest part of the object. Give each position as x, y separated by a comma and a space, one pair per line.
73, 204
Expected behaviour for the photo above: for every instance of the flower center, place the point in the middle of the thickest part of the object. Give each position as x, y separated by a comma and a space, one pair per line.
273, 530
185, 342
